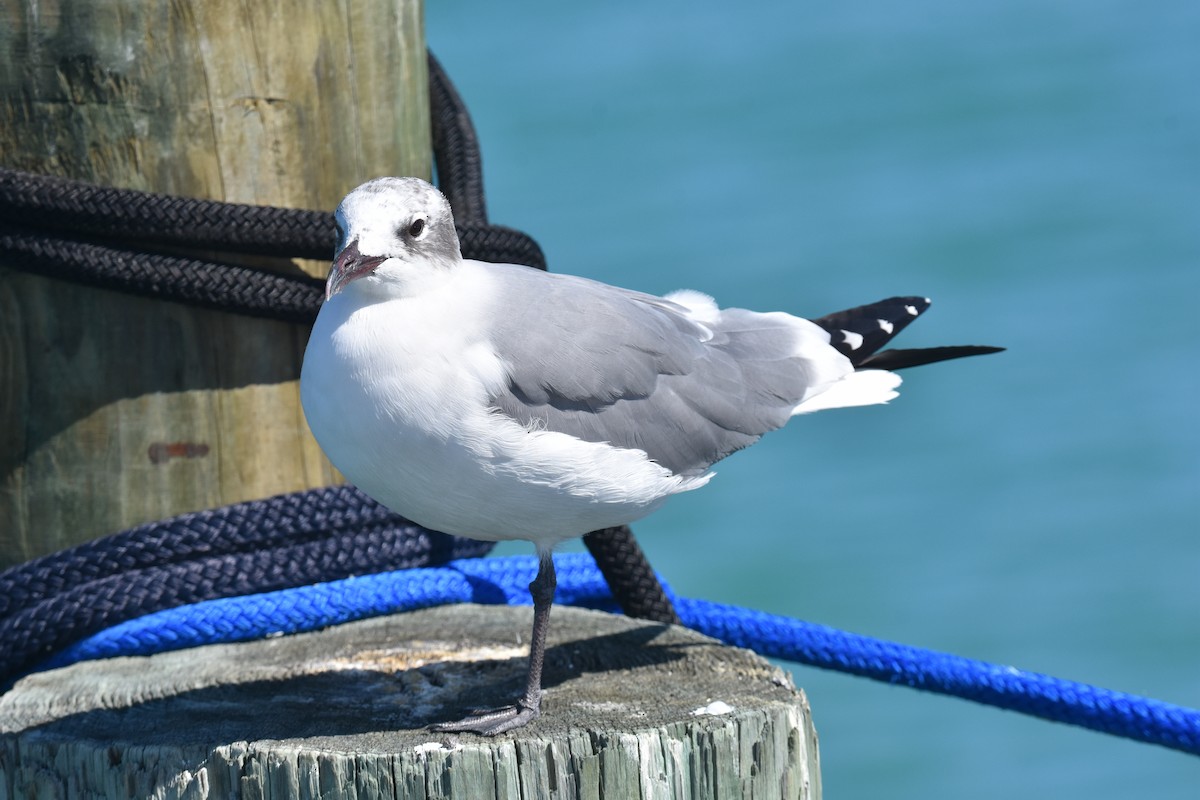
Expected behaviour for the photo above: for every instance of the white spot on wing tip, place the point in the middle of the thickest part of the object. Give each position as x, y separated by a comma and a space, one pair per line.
854, 340
885, 325
912, 310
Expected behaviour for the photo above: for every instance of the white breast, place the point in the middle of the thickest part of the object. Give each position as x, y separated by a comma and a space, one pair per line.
396, 393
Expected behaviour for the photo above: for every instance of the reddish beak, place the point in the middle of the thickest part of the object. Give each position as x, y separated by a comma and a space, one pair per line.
349, 265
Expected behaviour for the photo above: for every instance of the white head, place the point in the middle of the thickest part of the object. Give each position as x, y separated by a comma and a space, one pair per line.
394, 234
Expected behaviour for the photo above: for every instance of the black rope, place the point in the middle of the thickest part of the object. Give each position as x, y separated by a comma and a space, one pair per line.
243, 527
98, 236
248, 548
46, 203
204, 283
196, 282
456, 153
625, 567
43, 205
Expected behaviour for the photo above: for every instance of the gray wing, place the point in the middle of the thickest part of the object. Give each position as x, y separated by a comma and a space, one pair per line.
609, 365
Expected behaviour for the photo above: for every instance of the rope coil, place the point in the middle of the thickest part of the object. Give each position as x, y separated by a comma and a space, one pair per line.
247, 548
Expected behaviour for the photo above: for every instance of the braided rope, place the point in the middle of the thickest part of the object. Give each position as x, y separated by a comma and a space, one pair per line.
456, 151
638, 591
207, 284
239, 528
39, 205
504, 580
492, 581
43, 201
499, 244
1035, 694
192, 281
287, 541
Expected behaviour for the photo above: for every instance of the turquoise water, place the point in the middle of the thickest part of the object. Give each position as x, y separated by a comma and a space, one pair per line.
1035, 168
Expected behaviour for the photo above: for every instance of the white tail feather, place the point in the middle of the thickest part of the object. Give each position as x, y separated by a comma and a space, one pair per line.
865, 388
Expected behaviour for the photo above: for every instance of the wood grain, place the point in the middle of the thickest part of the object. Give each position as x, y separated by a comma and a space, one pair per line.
115, 410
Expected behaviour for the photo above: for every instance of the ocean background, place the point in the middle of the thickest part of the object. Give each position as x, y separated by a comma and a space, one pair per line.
1032, 167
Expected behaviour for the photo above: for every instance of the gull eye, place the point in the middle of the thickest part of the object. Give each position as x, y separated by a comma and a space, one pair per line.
341, 233
416, 228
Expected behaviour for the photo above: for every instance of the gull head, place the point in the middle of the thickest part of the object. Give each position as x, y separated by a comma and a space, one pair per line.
394, 234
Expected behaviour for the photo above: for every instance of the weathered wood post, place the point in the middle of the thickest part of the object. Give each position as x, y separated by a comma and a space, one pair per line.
632, 709
114, 409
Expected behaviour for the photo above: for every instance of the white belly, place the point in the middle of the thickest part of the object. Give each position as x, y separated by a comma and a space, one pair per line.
398, 400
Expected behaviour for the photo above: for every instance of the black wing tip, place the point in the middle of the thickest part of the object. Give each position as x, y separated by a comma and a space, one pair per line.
860, 332
917, 357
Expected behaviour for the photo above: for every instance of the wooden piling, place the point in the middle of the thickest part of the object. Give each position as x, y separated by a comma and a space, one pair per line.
114, 409
632, 709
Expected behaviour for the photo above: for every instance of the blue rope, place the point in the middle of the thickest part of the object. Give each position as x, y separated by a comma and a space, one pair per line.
504, 581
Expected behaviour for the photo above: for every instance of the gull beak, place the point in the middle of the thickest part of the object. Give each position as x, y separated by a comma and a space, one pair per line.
348, 265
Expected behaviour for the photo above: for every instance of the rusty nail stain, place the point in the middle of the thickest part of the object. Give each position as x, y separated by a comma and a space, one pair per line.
162, 452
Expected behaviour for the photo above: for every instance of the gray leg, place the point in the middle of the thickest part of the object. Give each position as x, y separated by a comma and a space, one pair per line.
528, 707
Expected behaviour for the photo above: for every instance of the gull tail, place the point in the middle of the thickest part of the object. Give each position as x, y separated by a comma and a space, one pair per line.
859, 333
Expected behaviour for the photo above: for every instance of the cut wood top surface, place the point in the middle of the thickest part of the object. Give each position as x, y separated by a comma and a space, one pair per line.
375, 684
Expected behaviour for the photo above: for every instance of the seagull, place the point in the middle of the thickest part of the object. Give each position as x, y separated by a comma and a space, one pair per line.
499, 402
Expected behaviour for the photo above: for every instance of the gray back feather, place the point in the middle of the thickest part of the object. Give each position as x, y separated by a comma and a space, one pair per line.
609, 365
